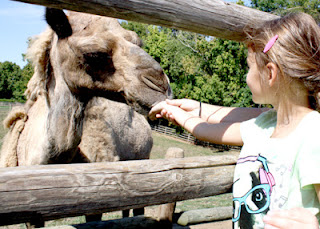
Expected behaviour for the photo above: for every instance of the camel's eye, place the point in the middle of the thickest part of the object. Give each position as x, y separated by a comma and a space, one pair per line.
98, 64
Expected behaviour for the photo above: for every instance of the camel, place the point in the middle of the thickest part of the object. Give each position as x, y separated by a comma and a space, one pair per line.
81, 61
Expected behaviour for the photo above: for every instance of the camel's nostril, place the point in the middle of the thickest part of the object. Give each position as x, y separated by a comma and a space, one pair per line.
169, 93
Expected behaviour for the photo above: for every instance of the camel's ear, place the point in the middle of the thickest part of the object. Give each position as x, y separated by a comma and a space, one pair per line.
58, 21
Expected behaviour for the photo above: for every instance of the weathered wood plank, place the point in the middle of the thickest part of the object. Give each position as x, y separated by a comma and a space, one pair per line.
205, 215
209, 17
56, 191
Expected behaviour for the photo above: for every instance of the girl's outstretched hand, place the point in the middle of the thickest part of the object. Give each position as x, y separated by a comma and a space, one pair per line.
156, 110
187, 105
295, 218
160, 110
173, 109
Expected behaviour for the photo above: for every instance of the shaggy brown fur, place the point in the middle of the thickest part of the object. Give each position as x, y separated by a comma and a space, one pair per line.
114, 132
16, 119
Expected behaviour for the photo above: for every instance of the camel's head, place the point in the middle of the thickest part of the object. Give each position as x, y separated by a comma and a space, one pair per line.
97, 57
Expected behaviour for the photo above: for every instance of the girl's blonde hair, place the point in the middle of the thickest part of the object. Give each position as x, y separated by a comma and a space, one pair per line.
296, 52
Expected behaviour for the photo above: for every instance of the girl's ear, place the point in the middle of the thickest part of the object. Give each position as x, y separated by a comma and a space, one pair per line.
272, 73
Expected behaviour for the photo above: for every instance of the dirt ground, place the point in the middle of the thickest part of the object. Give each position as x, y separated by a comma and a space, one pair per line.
226, 224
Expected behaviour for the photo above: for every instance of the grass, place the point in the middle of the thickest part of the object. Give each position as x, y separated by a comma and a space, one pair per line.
162, 142
4, 110
160, 146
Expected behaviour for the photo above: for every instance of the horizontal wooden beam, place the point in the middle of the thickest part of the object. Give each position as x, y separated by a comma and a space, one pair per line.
215, 17
205, 215
58, 191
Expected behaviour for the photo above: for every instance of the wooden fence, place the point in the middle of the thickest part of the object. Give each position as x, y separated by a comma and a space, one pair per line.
58, 191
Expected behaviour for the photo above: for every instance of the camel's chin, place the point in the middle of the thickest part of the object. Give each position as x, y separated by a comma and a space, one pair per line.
135, 103
141, 109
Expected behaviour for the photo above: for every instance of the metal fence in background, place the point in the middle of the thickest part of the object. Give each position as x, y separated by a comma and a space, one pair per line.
187, 137
172, 132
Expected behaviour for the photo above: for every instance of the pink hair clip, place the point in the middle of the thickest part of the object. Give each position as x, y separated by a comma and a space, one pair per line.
270, 44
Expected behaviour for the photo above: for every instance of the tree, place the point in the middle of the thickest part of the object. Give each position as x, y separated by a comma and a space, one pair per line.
221, 70
21, 84
13, 80
282, 7
10, 74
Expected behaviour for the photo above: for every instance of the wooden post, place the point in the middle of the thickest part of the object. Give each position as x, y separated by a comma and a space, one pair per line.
165, 211
214, 17
59, 191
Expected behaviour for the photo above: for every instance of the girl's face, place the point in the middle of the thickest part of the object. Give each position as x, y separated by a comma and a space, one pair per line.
256, 84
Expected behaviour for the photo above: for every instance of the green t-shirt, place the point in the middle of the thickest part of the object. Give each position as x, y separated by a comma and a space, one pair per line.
276, 173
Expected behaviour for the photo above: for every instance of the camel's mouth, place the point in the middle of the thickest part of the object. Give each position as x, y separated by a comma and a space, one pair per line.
143, 105
138, 105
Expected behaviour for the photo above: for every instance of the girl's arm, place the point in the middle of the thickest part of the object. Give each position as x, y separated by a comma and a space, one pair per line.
219, 114
212, 113
188, 118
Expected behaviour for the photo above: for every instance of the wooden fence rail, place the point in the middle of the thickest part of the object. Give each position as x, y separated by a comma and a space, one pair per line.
58, 191
214, 17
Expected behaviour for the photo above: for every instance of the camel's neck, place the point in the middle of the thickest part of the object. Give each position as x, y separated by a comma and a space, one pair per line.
65, 119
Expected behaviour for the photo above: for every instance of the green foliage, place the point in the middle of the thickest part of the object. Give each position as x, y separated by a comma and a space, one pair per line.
282, 7
9, 76
225, 67
268, 6
13, 80
21, 85
139, 28
214, 72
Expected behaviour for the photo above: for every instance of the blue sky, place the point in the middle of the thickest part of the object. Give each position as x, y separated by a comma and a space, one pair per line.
18, 22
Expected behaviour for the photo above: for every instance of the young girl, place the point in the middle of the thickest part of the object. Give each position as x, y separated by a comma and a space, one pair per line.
277, 176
